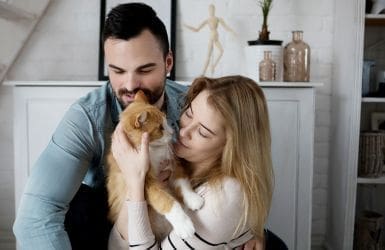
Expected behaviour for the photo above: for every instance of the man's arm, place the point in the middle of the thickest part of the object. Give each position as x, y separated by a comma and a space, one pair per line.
53, 182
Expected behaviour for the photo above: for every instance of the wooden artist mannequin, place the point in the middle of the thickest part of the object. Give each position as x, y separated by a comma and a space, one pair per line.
213, 22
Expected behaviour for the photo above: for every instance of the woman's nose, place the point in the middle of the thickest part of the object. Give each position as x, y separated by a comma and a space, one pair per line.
185, 131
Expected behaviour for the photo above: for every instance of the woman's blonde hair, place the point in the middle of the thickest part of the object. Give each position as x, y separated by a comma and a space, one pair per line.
247, 152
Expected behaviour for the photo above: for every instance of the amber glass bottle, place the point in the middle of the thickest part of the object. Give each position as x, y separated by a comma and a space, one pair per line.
296, 60
267, 68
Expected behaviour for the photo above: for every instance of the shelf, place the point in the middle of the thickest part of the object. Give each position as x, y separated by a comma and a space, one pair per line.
378, 180
373, 99
374, 20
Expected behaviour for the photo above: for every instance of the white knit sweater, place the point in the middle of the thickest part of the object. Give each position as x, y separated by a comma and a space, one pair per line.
215, 223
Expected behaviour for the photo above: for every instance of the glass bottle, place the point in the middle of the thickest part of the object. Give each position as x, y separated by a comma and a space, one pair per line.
296, 60
267, 68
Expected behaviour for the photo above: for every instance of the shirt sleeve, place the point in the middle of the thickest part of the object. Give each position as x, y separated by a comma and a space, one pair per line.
215, 223
53, 182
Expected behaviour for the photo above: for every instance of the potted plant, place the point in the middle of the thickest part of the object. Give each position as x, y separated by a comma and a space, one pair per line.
265, 7
256, 48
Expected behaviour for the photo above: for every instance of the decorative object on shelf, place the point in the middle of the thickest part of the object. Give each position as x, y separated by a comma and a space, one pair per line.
377, 121
378, 7
265, 7
296, 59
369, 231
267, 68
371, 154
254, 52
213, 22
368, 87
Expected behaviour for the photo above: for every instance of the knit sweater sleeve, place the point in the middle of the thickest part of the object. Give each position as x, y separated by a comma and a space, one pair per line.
216, 223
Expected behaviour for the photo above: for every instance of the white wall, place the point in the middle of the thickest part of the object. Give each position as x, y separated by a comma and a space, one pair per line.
65, 47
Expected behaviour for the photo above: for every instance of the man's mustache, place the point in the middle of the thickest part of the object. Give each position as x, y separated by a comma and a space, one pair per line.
151, 98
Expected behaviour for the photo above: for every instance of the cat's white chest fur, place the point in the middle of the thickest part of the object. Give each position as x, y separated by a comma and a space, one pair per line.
161, 151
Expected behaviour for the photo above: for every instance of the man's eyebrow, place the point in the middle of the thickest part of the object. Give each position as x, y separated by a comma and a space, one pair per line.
139, 68
115, 67
146, 65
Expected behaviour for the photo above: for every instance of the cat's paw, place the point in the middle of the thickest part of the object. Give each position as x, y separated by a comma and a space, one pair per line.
193, 201
181, 223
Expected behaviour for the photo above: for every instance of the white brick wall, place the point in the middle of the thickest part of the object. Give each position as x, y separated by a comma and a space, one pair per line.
65, 47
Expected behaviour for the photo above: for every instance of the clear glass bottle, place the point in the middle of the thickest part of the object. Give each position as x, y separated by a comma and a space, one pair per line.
296, 59
267, 68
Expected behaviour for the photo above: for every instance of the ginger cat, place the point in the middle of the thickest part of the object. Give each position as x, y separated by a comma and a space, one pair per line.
137, 118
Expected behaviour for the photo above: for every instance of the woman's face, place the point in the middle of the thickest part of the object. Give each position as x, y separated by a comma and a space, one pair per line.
202, 134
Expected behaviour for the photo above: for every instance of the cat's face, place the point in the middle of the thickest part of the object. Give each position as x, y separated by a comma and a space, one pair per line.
140, 117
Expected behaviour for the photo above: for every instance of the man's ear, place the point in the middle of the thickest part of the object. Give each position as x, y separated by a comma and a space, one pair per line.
169, 61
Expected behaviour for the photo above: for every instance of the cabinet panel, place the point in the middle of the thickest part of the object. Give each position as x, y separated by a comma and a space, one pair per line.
285, 146
291, 113
43, 116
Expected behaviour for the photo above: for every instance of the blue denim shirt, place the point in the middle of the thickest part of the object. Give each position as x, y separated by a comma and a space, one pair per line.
75, 155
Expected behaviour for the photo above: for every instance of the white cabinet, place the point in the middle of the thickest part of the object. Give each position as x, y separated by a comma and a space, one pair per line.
39, 108
348, 194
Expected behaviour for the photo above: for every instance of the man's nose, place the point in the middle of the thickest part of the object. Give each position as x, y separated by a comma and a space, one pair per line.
132, 82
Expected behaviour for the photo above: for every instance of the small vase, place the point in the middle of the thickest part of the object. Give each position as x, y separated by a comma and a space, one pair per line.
267, 68
296, 60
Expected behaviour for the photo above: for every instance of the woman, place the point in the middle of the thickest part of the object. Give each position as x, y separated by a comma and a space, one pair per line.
224, 142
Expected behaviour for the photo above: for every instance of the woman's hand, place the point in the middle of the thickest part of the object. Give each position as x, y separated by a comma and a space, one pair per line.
133, 162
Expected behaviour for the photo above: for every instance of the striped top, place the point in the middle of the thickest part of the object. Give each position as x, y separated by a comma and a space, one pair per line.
215, 223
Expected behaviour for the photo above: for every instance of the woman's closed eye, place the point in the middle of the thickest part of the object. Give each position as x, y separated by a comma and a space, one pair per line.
203, 133
188, 113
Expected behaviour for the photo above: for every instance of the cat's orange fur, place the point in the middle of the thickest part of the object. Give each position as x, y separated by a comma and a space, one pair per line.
137, 118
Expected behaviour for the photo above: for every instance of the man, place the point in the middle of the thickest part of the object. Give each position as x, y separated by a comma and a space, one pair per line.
64, 204
69, 174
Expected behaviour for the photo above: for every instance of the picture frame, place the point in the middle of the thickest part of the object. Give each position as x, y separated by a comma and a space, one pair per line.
165, 9
377, 121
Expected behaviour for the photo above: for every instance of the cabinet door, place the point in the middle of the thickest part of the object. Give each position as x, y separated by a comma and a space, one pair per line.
291, 113
38, 111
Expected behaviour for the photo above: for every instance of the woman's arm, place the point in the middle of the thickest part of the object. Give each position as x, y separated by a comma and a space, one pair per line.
215, 223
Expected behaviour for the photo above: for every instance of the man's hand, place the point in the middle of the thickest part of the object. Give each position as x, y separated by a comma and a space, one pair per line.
254, 244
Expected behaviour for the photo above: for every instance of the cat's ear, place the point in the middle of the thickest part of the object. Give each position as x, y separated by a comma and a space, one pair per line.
140, 119
141, 97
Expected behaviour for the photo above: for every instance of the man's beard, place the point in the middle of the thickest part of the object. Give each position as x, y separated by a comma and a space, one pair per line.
152, 96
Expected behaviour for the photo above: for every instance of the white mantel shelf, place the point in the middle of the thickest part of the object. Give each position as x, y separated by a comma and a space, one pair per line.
54, 83
184, 82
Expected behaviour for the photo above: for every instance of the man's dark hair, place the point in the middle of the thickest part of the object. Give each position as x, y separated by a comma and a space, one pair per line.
127, 21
